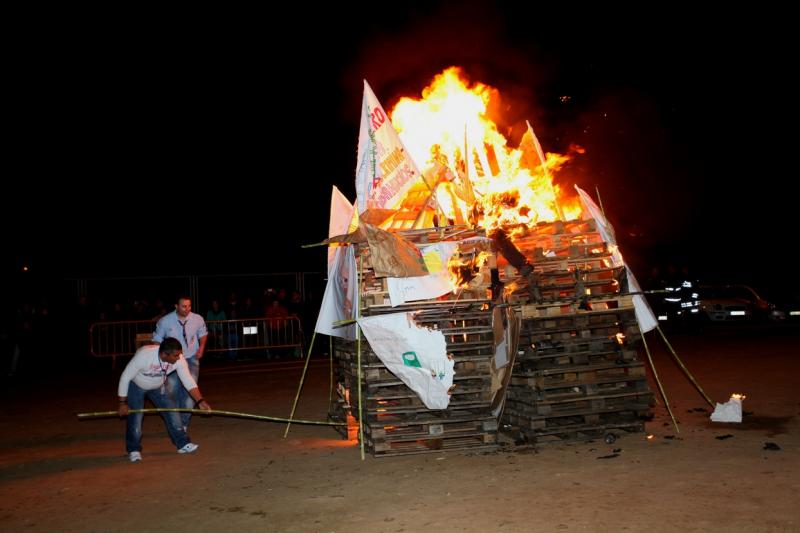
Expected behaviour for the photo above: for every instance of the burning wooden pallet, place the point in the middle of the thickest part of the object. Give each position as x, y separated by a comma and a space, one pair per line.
395, 420
576, 375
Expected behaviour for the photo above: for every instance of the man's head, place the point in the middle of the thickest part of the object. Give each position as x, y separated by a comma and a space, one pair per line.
170, 350
183, 306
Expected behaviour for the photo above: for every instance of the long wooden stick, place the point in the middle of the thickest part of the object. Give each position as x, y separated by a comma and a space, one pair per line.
108, 414
685, 370
330, 386
300, 386
658, 381
358, 356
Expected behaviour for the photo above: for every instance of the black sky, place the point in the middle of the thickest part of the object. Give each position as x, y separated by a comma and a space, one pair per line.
677, 113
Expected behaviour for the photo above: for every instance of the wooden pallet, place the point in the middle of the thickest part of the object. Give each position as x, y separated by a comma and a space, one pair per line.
477, 442
421, 429
404, 399
542, 348
556, 241
580, 306
584, 413
618, 387
577, 433
381, 418
568, 360
625, 316
554, 378
377, 373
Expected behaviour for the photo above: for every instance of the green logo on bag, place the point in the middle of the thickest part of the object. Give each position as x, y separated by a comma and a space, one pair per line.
410, 359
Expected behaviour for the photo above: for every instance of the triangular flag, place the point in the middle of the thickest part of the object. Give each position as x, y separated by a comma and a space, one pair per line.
644, 315
340, 220
384, 169
340, 299
533, 156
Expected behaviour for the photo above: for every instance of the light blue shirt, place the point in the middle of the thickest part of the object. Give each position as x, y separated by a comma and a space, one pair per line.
188, 331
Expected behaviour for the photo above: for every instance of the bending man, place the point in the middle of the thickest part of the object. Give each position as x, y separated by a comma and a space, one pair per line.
146, 375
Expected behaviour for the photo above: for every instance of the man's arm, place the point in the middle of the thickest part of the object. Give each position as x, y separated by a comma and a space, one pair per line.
198, 398
124, 382
159, 332
123, 406
201, 349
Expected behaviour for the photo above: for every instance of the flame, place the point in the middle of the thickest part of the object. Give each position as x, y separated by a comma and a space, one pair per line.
471, 173
465, 267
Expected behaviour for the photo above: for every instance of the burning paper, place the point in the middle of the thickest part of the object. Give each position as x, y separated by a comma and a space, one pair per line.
435, 284
730, 411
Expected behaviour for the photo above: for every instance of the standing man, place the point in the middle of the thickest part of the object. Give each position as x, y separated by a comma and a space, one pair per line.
190, 329
146, 375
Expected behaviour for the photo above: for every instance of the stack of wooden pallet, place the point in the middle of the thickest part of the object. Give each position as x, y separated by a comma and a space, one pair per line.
395, 420
576, 376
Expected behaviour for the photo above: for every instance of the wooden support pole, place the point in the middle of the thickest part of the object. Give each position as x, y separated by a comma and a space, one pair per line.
300, 386
658, 381
685, 370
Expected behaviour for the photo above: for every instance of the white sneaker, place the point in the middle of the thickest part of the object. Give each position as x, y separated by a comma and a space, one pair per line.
189, 448
135, 457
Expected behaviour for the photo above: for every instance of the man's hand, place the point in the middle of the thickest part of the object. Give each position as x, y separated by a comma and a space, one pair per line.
204, 405
123, 410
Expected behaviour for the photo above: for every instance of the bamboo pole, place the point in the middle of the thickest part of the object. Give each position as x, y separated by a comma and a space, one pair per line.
330, 359
358, 356
600, 201
658, 381
685, 370
107, 414
300, 385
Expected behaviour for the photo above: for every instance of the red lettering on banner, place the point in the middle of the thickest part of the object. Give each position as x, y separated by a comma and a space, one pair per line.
377, 117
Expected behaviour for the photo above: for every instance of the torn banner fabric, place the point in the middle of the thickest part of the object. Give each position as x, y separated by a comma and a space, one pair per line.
417, 356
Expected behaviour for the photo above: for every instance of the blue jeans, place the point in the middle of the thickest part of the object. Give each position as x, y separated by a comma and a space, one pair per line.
179, 392
162, 400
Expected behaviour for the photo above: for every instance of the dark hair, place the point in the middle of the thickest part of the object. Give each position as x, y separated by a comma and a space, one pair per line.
182, 297
170, 346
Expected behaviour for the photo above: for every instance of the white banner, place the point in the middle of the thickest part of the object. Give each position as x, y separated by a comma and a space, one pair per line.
436, 256
339, 301
644, 315
340, 220
418, 356
384, 169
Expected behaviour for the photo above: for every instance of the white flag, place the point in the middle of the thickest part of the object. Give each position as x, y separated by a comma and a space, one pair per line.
340, 220
644, 315
384, 170
340, 299
418, 356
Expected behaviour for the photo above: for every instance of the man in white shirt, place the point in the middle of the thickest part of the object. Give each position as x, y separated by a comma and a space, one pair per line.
146, 375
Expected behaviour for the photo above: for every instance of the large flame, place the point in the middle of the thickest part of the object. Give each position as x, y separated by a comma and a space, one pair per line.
471, 173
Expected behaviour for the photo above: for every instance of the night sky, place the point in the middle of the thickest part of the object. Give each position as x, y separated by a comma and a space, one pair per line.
675, 112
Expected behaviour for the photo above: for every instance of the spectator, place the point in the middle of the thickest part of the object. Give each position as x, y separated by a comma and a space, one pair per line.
190, 330
215, 329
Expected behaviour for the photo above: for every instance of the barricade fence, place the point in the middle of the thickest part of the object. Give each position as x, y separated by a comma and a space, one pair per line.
123, 338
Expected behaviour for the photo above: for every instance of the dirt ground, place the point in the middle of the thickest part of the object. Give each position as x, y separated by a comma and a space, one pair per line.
61, 474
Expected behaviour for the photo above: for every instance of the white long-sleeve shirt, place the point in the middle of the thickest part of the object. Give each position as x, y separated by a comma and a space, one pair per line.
148, 371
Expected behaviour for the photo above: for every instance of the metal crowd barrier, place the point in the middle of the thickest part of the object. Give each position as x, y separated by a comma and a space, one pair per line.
123, 338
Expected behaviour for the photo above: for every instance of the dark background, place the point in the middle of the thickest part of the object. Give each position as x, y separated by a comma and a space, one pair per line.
687, 120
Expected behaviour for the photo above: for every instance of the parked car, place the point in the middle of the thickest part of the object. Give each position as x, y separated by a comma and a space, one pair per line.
735, 303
